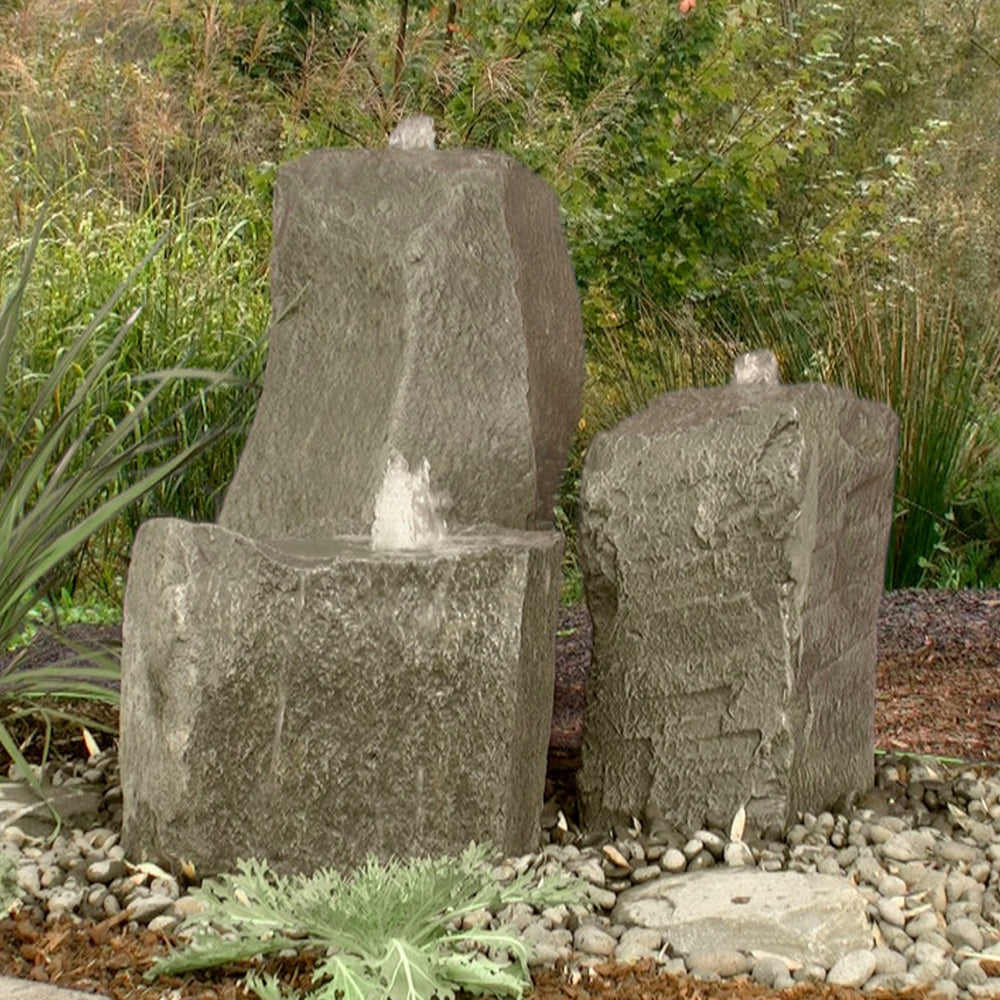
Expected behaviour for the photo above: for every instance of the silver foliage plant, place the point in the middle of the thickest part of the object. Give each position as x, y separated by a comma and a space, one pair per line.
386, 932
8, 883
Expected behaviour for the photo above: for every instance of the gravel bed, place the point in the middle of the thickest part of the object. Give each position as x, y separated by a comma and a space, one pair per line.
923, 847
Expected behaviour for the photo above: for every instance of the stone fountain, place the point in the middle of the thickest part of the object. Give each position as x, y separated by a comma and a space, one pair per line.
358, 658
733, 545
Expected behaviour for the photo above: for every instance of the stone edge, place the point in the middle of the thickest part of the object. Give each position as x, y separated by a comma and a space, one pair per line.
27, 989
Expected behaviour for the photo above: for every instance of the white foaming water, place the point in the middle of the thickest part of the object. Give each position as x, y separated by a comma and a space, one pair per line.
758, 367
406, 512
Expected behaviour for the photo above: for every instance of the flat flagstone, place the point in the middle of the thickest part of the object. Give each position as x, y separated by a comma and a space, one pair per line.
803, 917
22, 807
24, 989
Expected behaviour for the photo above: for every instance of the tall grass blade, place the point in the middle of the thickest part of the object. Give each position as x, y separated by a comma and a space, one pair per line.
71, 469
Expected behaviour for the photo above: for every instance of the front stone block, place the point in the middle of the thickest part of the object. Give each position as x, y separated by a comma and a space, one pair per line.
312, 704
733, 542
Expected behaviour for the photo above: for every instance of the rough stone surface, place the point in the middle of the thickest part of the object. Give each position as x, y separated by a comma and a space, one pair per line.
311, 704
806, 918
733, 543
21, 805
23, 989
424, 302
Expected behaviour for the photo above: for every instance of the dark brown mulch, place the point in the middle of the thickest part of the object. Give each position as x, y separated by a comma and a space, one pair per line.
938, 683
105, 958
574, 633
41, 727
54, 645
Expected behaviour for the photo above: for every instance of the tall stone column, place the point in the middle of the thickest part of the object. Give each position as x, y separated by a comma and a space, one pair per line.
424, 303
287, 691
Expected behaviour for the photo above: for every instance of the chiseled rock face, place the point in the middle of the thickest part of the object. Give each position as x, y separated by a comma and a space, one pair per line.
311, 705
733, 542
802, 917
424, 303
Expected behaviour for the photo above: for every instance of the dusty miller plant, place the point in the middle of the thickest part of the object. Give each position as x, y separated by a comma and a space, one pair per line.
386, 932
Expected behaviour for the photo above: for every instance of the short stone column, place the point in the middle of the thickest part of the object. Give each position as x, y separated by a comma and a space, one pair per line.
733, 542
311, 705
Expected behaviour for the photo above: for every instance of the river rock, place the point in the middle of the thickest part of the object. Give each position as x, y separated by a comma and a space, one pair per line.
853, 969
770, 970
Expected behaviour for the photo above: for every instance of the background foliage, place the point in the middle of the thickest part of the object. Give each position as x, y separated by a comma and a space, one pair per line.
818, 177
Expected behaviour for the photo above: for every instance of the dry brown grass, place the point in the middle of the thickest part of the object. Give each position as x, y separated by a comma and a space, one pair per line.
79, 96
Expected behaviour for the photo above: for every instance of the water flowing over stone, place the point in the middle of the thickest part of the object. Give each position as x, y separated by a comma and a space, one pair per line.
406, 510
758, 367
414, 132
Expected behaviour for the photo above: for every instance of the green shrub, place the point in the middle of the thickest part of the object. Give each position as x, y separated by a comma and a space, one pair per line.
203, 305
714, 166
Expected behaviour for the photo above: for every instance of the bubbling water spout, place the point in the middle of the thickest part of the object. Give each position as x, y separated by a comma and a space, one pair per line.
406, 511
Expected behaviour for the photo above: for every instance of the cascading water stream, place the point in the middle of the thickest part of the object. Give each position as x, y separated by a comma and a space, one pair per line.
406, 511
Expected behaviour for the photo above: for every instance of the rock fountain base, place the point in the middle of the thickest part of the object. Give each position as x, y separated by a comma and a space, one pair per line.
311, 704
